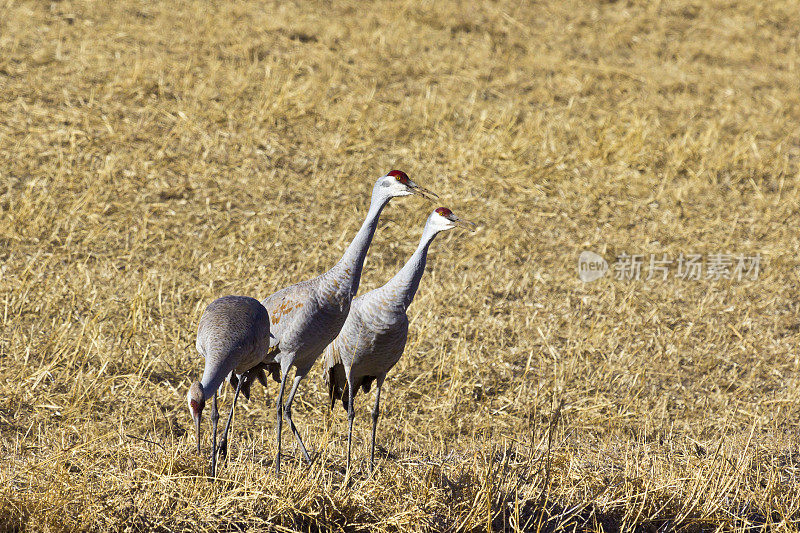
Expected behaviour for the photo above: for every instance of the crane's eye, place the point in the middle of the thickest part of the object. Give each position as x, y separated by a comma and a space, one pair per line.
400, 176
444, 212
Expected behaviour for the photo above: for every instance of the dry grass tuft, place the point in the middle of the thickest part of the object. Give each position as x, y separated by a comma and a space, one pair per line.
154, 156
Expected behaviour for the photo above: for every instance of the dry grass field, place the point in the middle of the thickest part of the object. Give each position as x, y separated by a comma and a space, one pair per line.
157, 155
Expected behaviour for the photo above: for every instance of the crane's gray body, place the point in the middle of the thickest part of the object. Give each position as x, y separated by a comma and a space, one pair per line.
233, 336
307, 316
374, 335
371, 342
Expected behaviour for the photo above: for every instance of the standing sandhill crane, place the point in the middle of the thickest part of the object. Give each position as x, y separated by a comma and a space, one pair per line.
233, 337
374, 335
307, 316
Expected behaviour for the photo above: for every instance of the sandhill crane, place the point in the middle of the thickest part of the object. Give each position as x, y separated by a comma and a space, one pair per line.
374, 335
307, 316
233, 337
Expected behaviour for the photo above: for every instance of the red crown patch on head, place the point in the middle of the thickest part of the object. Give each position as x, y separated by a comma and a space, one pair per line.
444, 212
401, 176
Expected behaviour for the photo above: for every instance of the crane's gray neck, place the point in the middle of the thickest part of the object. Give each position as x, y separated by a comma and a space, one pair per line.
213, 377
347, 272
405, 283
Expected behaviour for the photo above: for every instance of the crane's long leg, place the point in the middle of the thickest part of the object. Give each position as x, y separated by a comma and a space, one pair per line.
214, 419
351, 415
376, 410
279, 408
287, 413
223, 445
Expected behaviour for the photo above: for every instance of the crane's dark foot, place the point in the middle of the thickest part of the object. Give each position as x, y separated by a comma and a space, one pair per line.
223, 450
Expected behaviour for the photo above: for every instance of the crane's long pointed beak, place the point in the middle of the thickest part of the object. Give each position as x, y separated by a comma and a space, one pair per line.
466, 224
422, 191
197, 431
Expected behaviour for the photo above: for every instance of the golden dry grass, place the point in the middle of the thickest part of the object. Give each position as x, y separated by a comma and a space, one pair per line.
154, 156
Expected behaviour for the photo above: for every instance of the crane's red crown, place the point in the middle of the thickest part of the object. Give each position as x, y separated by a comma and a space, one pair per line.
444, 212
401, 176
